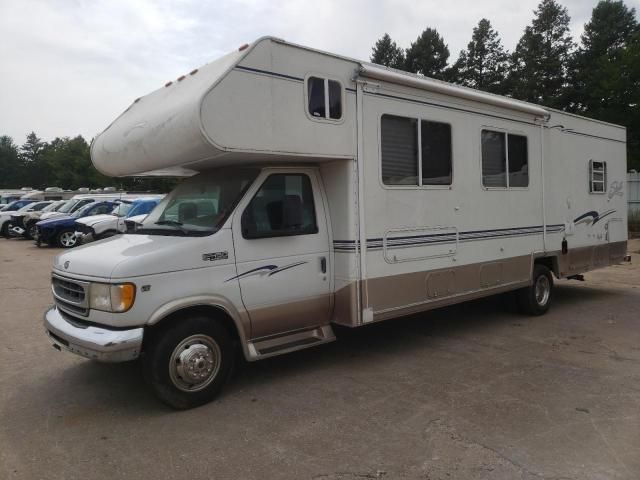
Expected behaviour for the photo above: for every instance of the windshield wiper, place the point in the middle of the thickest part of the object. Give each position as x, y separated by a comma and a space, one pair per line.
173, 223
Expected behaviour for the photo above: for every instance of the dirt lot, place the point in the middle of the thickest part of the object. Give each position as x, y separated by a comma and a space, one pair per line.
470, 392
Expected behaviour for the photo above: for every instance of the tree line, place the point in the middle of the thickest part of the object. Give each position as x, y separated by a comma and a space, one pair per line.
63, 162
597, 78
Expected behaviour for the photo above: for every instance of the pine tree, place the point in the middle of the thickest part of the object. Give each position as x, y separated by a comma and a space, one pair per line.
428, 55
386, 52
597, 81
540, 62
9, 163
605, 74
33, 168
483, 65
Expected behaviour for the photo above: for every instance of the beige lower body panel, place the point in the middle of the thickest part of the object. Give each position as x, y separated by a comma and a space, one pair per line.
582, 259
404, 294
292, 316
414, 292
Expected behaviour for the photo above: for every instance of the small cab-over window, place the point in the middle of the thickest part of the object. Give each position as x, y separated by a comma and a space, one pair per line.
325, 98
415, 152
505, 161
597, 177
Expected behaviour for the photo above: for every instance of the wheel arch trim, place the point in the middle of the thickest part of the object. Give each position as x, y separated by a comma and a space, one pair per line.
240, 319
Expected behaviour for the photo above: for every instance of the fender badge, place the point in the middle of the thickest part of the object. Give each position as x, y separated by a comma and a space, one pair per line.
66, 264
212, 257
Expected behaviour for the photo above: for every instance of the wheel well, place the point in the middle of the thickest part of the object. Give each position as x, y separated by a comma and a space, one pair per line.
217, 314
550, 262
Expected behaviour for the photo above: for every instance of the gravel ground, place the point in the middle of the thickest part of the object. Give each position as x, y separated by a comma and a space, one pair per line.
474, 391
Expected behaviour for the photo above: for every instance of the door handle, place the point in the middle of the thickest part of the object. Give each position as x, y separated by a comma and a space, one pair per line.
323, 264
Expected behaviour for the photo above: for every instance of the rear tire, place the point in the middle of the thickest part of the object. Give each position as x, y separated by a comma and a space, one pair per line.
188, 362
67, 239
536, 299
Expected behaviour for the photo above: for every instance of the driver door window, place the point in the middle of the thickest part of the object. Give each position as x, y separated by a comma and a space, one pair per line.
282, 207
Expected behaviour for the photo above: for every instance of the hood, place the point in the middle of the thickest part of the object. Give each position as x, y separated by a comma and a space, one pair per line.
93, 219
46, 215
127, 256
137, 218
56, 221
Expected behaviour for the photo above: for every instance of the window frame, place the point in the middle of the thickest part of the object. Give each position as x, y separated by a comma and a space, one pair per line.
604, 177
419, 186
505, 132
326, 118
253, 196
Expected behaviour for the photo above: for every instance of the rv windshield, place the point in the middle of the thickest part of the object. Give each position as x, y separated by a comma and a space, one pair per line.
200, 205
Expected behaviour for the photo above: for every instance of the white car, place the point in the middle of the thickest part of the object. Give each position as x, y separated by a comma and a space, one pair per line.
97, 227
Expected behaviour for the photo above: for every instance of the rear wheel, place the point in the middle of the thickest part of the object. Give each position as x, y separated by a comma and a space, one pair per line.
188, 362
67, 239
536, 299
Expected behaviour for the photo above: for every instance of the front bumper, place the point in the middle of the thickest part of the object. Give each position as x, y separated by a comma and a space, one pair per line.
90, 341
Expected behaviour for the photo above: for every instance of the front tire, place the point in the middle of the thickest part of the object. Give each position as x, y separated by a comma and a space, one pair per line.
188, 362
30, 231
67, 239
5, 230
536, 299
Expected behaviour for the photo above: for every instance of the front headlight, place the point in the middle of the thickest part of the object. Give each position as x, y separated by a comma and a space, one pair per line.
112, 298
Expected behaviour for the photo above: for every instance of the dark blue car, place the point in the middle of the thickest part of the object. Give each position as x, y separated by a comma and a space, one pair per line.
60, 231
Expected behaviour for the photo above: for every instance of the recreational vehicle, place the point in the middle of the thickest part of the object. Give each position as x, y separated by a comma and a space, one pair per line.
329, 191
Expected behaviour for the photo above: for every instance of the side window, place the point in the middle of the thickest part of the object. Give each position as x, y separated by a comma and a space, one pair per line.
403, 139
399, 142
502, 153
282, 207
325, 98
518, 161
102, 209
436, 153
597, 177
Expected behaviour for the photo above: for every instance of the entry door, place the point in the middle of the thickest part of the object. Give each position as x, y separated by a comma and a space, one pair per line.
282, 252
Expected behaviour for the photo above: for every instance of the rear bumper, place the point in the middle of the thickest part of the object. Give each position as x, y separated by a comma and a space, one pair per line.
90, 341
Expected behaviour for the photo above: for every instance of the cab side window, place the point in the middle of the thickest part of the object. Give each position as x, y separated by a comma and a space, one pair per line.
282, 207
102, 209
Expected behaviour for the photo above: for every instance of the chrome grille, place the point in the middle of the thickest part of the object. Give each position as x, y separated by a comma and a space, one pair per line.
70, 295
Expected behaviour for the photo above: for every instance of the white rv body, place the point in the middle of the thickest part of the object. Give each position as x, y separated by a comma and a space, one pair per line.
381, 249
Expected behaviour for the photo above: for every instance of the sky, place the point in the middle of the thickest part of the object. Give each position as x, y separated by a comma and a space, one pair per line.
70, 67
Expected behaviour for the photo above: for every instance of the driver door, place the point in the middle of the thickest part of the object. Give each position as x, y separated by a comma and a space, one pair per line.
282, 253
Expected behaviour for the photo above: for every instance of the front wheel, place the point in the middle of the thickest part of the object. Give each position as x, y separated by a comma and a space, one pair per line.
67, 239
30, 231
535, 299
188, 362
5, 230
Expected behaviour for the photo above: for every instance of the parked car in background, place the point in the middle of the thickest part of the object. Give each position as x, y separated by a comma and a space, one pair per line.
5, 215
30, 219
97, 227
70, 206
16, 225
60, 230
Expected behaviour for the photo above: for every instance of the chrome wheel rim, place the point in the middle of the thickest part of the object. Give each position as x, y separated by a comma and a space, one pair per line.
33, 230
194, 363
542, 290
68, 239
